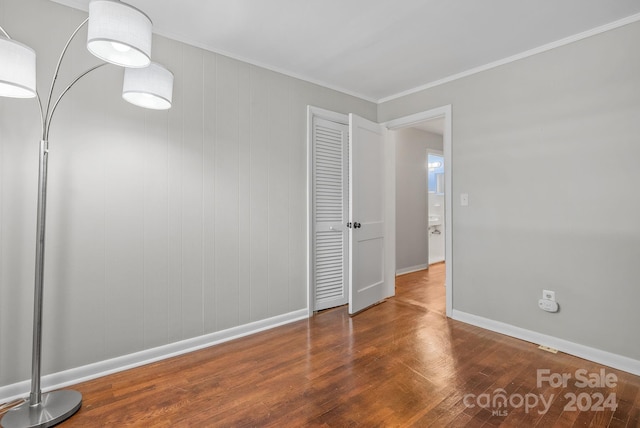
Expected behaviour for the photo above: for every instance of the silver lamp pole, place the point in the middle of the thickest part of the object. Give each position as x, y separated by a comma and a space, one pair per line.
130, 47
44, 410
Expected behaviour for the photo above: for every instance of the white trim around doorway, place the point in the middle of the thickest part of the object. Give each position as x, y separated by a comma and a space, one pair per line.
407, 121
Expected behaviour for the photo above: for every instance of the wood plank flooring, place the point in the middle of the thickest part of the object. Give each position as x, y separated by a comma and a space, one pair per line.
401, 363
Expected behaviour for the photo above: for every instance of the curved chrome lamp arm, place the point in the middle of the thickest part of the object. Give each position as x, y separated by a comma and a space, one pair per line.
41, 111
47, 117
45, 134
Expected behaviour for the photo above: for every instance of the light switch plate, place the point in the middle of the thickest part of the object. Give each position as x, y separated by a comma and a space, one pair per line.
464, 199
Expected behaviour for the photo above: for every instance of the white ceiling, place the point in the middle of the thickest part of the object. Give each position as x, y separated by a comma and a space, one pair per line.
375, 48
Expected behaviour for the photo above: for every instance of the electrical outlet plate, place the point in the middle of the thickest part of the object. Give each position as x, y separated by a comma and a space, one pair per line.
548, 305
549, 295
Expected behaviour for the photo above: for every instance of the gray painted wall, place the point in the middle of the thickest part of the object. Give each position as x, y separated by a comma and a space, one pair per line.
411, 196
547, 148
162, 226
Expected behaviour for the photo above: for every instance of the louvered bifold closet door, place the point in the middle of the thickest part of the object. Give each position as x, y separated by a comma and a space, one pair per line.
330, 210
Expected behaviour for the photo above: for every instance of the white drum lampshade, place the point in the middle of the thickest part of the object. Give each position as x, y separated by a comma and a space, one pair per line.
119, 33
17, 70
150, 87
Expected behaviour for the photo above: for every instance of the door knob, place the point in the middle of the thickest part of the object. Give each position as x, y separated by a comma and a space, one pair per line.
357, 225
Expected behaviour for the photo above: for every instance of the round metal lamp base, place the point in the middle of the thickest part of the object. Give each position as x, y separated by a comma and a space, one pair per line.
55, 407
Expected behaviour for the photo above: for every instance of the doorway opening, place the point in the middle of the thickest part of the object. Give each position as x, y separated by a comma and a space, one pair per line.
437, 124
435, 207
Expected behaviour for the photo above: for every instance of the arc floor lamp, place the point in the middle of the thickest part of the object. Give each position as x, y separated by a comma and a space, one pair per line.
119, 34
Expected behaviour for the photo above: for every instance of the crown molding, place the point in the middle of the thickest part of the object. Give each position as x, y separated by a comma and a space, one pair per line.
540, 49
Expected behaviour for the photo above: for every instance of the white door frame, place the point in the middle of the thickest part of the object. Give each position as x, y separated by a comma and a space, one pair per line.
334, 117
407, 121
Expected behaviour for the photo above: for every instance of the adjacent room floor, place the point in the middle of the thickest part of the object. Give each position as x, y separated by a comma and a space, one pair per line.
401, 363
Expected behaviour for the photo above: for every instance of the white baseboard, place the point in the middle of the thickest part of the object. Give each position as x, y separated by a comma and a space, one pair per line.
76, 375
411, 269
592, 354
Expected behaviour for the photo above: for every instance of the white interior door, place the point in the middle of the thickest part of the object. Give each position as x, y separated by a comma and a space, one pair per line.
367, 214
330, 211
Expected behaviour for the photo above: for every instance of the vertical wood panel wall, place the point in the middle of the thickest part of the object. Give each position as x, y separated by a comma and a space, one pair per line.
547, 149
162, 226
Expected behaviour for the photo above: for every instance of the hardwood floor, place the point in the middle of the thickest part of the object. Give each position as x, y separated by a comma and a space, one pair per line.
401, 363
